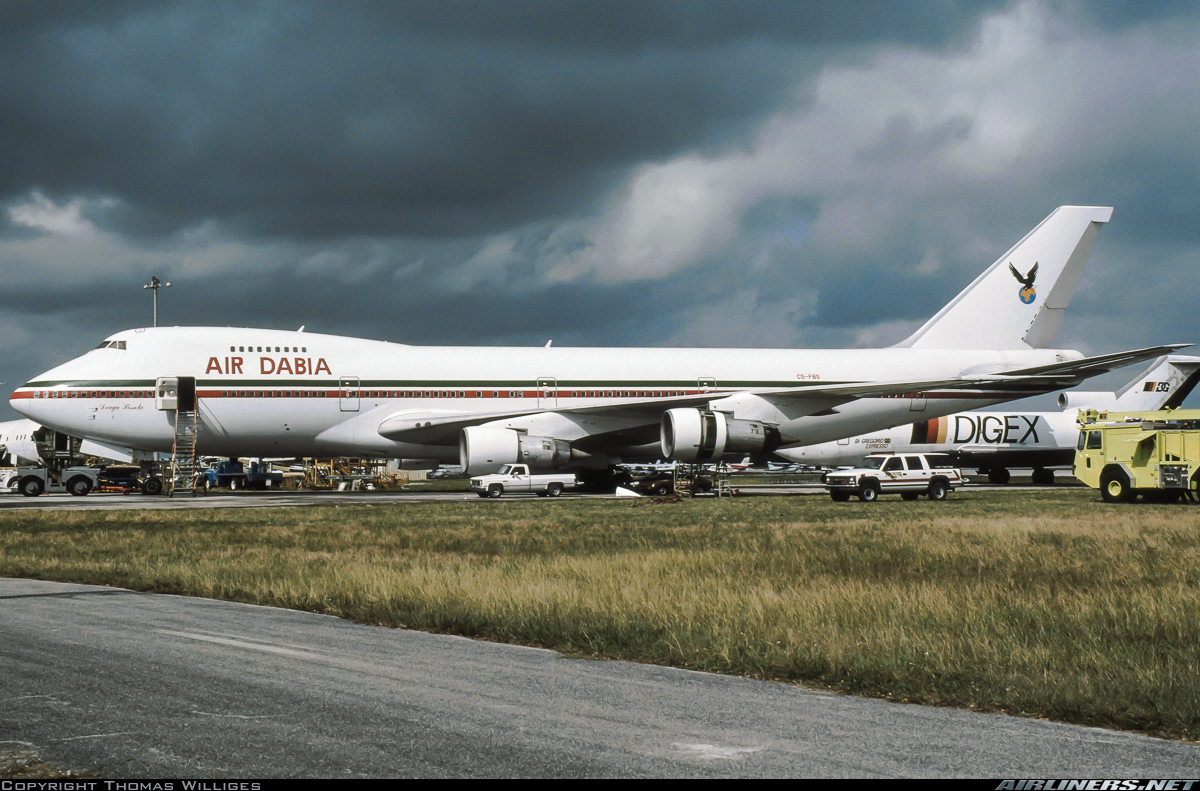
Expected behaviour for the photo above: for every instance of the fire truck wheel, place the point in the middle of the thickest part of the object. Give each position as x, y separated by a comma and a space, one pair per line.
1115, 487
152, 486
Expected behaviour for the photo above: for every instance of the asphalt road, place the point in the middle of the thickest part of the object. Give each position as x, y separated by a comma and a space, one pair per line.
144, 685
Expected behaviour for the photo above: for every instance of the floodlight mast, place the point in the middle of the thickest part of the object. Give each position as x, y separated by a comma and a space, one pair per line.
154, 285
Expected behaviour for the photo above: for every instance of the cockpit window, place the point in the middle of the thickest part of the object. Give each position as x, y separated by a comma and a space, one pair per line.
111, 345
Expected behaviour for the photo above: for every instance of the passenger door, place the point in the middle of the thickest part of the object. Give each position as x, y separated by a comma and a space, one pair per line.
348, 393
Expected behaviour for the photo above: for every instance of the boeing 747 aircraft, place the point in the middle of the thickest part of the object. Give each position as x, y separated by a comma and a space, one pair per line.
275, 393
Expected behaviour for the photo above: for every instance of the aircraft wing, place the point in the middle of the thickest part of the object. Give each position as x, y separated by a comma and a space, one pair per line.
443, 429
1078, 370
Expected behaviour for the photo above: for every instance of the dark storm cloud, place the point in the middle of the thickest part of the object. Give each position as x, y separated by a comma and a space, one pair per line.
310, 119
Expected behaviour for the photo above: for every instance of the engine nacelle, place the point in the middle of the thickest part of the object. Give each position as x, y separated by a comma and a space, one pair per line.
703, 435
483, 450
1070, 399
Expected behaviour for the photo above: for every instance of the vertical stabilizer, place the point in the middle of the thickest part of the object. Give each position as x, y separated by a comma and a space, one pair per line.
1018, 302
1168, 380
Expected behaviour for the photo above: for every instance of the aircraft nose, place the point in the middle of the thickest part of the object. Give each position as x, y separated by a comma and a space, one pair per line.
22, 400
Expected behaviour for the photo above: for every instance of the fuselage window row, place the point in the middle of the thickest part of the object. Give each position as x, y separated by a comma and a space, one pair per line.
367, 393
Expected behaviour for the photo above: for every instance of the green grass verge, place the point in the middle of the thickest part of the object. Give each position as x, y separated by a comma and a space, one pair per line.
1046, 604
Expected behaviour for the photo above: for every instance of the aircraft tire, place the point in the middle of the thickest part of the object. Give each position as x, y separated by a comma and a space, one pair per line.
910, 496
31, 486
152, 486
839, 496
1042, 477
79, 486
999, 476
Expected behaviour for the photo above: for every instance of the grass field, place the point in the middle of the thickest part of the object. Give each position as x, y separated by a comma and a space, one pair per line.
1040, 603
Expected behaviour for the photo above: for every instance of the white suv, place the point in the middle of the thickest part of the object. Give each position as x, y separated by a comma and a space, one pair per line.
910, 475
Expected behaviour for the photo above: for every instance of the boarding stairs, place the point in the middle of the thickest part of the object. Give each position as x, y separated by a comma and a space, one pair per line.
183, 455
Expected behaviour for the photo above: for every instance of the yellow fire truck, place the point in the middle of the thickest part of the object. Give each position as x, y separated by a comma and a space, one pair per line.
1153, 454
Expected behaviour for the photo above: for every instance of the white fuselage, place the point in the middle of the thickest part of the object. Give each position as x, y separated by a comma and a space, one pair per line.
1021, 439
16, 437
277, 393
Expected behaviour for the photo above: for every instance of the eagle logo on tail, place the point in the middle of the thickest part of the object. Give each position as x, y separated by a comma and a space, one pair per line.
1027, 292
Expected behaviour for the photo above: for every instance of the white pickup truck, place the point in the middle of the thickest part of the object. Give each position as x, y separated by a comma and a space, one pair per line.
910, 475
516, 478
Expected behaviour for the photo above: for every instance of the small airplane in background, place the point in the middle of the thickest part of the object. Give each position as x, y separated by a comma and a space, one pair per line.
257, 392
994, 442
25, 443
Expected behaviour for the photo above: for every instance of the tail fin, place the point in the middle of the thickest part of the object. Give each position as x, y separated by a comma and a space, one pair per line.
1169, 380
1018, 302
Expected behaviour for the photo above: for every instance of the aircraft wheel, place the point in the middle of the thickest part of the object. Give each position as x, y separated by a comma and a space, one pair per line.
1042, 476
869, 492
910, 496
79, 486
495, 490
999, 476
839, 496
31, 486
152, 486
554, 489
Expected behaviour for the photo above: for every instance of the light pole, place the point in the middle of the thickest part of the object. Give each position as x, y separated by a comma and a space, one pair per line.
154, 285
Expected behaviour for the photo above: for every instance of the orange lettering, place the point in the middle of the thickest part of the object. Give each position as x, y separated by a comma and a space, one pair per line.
284, 365
262, 364
322, 366
213, 365
301, 368
235, 366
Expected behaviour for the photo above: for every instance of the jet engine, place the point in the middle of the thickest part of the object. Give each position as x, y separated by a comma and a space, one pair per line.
703, 435
1074, 400
483, 450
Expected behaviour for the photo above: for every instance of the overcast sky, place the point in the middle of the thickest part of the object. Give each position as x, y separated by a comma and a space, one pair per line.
783, 174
